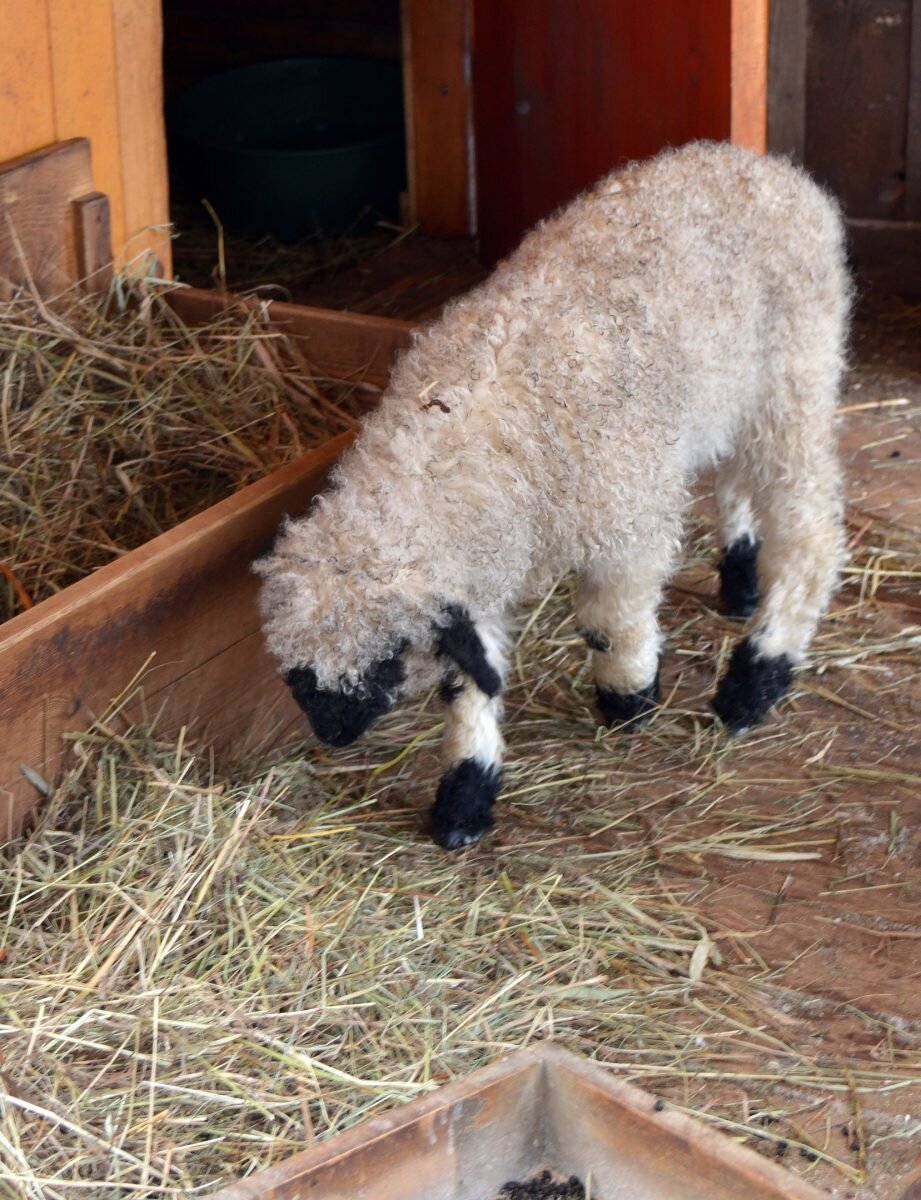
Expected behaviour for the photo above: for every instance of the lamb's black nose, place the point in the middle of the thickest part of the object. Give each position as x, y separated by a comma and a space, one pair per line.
337, 718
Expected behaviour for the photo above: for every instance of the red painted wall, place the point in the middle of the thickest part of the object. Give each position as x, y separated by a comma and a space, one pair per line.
564, 90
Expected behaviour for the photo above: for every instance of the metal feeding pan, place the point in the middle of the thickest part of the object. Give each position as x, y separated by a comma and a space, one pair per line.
539, 1108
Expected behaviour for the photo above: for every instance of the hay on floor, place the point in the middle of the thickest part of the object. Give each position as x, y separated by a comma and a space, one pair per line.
207, 966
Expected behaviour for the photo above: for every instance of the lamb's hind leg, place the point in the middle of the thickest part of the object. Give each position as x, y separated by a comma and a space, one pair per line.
739, 562
798, 500
472, 748
617, 612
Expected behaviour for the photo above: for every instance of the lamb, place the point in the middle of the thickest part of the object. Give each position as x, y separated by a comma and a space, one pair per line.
687, 312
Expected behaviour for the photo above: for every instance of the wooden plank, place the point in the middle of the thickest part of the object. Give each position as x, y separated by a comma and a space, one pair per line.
602, 1124
564, 92
913, 144
37, 234
857, 103
748, 120
138, 38
93, 241
436, 73
786, 104
26, 91
887, 255
83, 61
342, 345
188, 599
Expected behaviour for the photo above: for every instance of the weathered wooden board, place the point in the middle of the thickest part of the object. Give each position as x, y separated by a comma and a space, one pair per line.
856, 101
786, 100
37, 233
93, 233
887, 256
539, 1108
343, 345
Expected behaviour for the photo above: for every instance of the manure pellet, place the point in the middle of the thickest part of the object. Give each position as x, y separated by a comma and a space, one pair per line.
543, 1187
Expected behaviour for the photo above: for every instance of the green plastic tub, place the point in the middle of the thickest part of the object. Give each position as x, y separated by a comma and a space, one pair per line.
295, 147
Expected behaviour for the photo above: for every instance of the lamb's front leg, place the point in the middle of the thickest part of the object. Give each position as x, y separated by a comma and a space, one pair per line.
617, 613
473, 745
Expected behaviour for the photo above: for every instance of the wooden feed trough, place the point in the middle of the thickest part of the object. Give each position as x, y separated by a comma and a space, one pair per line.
541, 1108
183, 605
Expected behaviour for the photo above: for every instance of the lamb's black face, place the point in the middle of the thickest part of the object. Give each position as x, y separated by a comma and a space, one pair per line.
339, 717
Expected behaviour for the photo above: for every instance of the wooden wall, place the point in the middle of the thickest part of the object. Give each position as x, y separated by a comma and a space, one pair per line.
92, 68
557, 93
564, 92
845, 100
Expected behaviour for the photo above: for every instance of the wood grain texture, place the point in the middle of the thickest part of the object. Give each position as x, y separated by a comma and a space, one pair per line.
857, 103
185, 604
786, 104
138, 34
74, 69
913, 149
93, 233
436, 49
26, 85
748, 120
563, 93
83, 62
342, 345
37, 234
887, 256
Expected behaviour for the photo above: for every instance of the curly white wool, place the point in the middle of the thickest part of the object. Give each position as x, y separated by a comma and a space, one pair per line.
686, 311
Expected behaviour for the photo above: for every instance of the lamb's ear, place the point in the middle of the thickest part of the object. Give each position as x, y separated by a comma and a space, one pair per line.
459, 640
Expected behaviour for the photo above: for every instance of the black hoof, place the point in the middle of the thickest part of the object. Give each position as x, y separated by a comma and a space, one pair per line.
462, 811
751, 687
739, 578
630, 709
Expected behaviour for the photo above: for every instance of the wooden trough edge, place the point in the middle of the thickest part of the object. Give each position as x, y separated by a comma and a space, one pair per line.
342, 345
436, 1127
184, 603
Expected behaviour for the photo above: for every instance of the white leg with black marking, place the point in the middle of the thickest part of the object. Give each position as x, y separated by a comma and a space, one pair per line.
799, 510
739, 562
617, 614
473, 746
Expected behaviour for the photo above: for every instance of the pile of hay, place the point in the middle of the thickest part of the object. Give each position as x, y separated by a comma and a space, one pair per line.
207, 966
117, 421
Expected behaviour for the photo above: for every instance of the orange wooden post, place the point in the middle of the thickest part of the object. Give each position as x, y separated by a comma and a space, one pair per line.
748, 120
436, 52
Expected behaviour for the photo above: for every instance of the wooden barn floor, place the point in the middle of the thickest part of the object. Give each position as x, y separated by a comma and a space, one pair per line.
846, 929
387, 271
